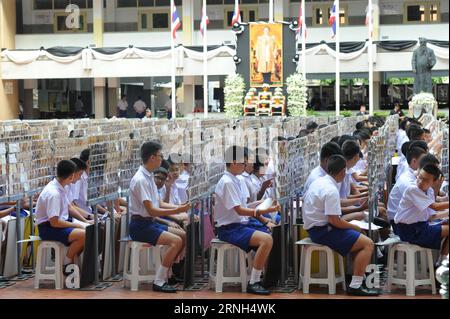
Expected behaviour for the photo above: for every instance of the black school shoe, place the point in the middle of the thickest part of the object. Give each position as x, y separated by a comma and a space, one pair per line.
362, 291
380, 222
164, 288
257, 289
175, 280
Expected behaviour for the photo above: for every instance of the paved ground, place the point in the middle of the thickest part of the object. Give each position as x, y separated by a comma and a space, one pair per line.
25, 290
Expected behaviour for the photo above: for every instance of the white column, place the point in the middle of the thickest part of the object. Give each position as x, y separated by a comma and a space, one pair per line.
99, 98
304, 40
338, 75
188, 21
271, 11
113, 86
188, 94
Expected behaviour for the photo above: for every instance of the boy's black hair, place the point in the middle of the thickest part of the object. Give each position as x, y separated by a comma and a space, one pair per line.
329, 149
428, 159
311, 126
303, 133
360, 125
236, 153
404, 124
433, 170
148, 149
165, 164
361, 135
427, 131
322, 126
421, 144
161, 170
345, 138
366, 130
414, 153
336, 164
335, 140
414, 132
350, 148
65, 168
84, 156
405, 148
81, 166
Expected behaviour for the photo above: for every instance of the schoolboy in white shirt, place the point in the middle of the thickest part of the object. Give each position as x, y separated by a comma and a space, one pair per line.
52, 212
408, 177
417, 208
145, 206
328, 149
232, 217
322, 219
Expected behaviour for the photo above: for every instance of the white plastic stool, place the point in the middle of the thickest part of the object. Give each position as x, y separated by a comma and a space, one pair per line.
410, 281
134, 264
43, 270
217, 274
305, 277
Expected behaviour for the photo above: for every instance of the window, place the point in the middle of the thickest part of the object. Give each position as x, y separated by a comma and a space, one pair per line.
154, 20
126, 3
63, 24
421, 12
322, 13
248, 14
62, 4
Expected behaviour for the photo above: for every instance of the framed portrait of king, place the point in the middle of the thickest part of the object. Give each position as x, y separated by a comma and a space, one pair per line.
266, 56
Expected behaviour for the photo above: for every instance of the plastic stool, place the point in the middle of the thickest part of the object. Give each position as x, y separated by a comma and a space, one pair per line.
43, 269
305, 276
410, 280
217, 272
134, 263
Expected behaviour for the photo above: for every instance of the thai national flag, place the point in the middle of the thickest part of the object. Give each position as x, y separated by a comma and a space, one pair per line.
301, 24
236, 14
176, 22
333, 18
369, 18
204, 22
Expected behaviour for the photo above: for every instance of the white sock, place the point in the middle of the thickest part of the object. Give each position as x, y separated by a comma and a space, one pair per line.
255, 276
67, 261
161, 275
356, 282
379, 253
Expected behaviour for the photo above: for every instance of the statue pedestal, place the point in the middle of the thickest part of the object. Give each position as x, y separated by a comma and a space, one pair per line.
423, 102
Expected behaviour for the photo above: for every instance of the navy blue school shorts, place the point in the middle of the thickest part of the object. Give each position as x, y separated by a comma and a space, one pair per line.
47, 232
340, 240
422, 234
146, 231
240, 234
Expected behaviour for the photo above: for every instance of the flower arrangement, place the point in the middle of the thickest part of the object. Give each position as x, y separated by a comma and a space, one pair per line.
423, 103
234, 94
297, 95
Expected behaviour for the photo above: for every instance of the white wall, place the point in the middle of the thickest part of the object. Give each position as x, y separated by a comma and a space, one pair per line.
35, 41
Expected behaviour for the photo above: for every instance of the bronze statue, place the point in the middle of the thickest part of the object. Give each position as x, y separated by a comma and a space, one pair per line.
423, 61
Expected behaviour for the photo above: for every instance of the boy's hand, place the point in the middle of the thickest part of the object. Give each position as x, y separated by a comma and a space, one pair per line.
267, 184
185, 207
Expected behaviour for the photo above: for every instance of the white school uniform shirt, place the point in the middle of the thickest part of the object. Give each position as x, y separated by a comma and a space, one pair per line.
244, 188
402, 138
406, 179
317, 172
413, 207
360, 166
81, 199
320, 201
162, 192
229, 194
345, 187
401, 167
182, 184
142, 188
139, 106
247, 179
52, 202
257, 184
122, 105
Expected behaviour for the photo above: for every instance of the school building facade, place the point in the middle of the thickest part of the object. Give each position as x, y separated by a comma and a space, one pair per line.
50, 87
